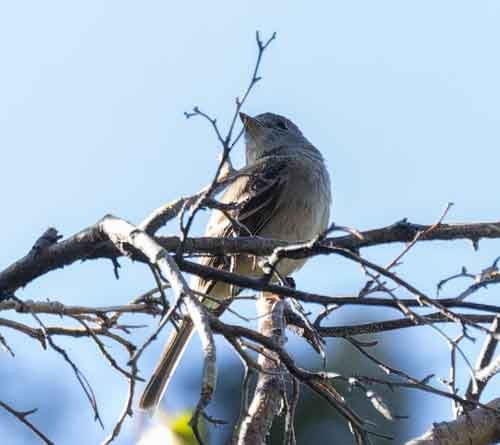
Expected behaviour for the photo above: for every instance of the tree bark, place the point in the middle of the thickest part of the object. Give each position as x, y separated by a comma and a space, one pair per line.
267, 399
478, 427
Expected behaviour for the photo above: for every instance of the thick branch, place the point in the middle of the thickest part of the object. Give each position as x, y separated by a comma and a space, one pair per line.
25, 268
483, 369
127, 237
478, 427
266, 401
90, 244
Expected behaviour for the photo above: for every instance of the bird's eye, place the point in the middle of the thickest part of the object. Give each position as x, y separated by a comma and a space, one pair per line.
282, 125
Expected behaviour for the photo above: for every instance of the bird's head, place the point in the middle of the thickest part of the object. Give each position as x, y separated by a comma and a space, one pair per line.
268, 133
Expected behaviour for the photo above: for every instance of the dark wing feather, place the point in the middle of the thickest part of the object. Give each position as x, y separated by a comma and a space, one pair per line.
262, 195
257, 197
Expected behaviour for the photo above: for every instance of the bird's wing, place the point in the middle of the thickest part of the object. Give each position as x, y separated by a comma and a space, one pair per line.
256, 195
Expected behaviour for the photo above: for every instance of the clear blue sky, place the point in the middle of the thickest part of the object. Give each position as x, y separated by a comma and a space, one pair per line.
401, 97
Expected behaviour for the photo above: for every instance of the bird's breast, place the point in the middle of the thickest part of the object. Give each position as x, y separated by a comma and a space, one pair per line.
304, 209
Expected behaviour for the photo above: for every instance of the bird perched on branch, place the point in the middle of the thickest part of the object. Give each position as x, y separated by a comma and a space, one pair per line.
283, 193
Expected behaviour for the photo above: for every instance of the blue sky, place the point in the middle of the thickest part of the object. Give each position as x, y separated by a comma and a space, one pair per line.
401, 97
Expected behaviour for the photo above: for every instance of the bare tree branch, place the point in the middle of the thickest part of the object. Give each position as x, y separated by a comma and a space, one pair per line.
478, 427
484, 370
22, 416
124, 234
89, 244
266, 402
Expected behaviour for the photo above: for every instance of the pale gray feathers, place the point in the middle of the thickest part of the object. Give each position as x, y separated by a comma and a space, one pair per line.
283, 192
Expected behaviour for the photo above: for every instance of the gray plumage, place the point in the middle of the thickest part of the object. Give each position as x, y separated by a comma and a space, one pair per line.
284, 194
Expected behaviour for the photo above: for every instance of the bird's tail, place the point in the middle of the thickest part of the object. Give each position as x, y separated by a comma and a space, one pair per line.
170, 357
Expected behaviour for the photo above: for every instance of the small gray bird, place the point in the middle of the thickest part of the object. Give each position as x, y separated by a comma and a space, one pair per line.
284, 194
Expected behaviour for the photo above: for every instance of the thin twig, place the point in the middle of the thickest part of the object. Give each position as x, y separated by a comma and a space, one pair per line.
22, 417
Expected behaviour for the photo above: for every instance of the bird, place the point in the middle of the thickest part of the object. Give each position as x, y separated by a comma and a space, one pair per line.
283, 192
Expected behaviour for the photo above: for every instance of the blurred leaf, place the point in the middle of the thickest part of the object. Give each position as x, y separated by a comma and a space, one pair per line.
171, 430
180, 427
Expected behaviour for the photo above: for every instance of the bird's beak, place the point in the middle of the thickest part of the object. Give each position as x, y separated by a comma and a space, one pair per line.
251, 125
244, 118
